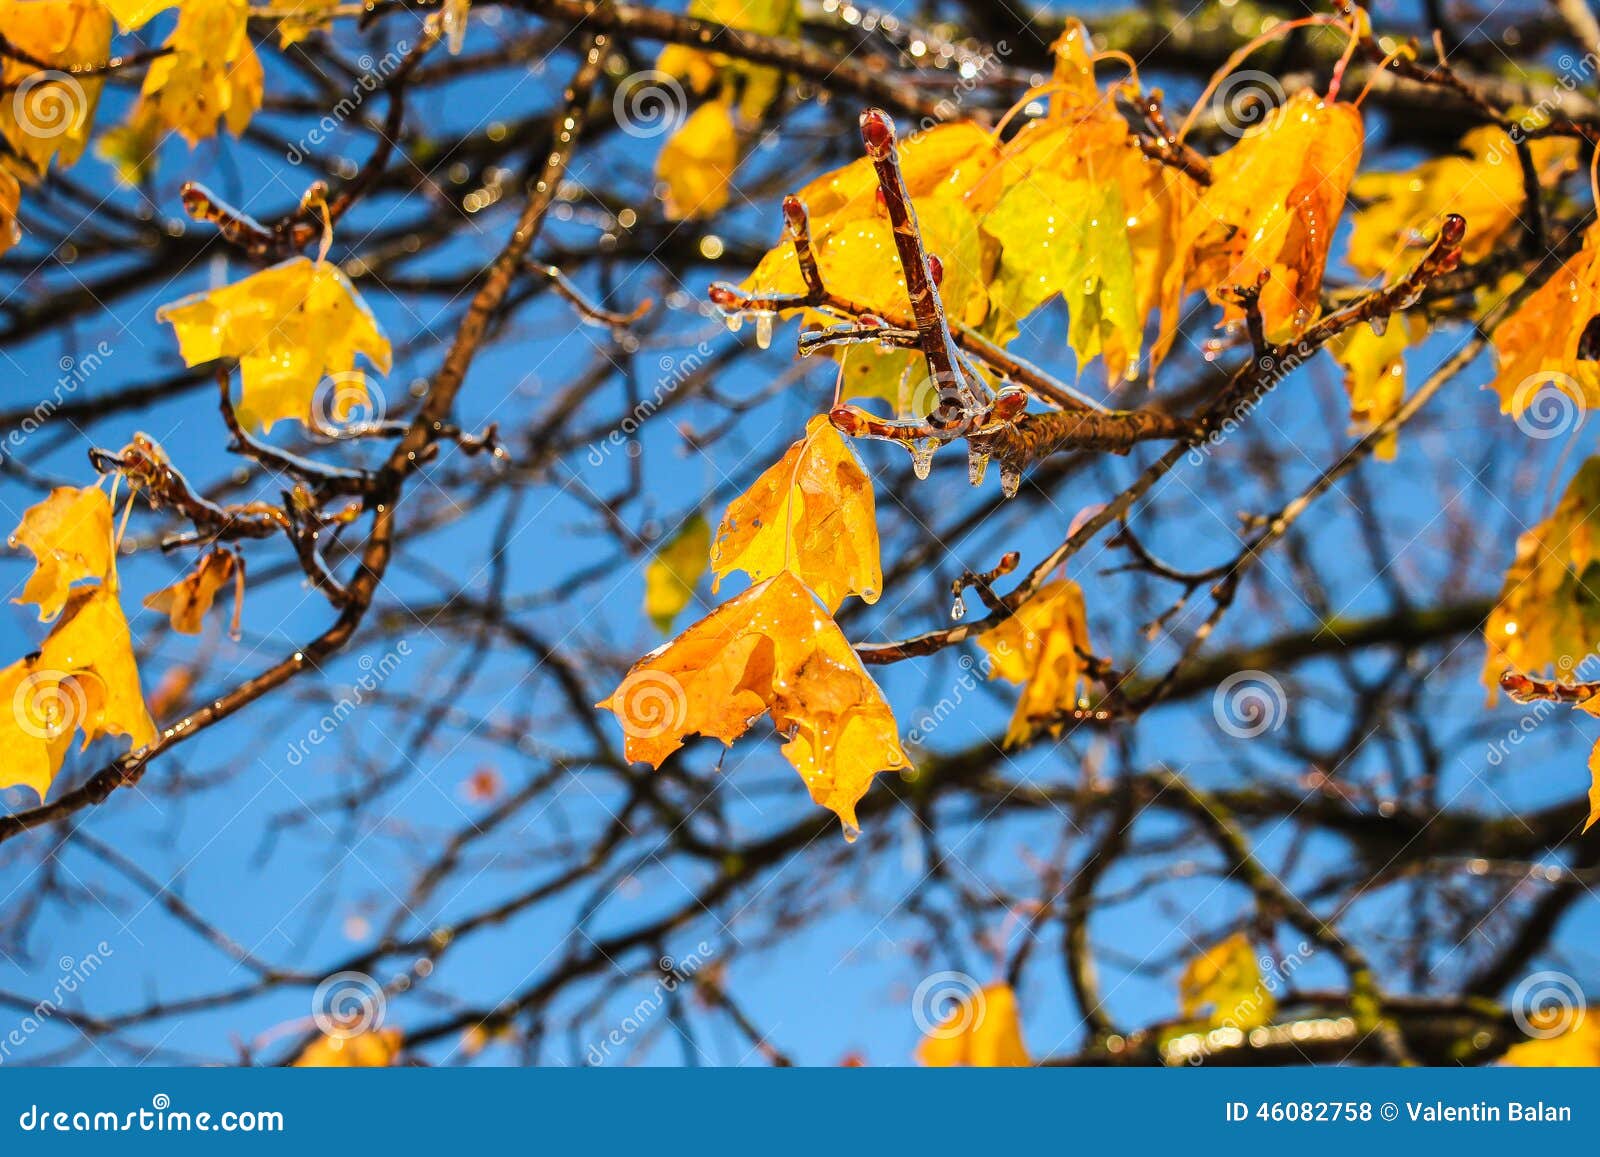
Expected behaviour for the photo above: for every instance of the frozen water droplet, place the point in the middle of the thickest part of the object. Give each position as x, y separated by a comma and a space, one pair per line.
1010, 480
735, 322
959, 610
977, 466
1379, 324
851, 833
922, 457
763, 330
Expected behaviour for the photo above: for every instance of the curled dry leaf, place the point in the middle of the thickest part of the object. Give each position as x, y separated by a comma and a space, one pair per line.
187, 601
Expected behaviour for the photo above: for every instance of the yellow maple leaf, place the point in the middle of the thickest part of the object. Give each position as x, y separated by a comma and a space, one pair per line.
84, 679
1483, 184
772, 650
1374, 375
47, 112
670, 578
374, 1049
289, 326
133, 147
1224, 985
36, 717
186, 601
811, 513
1547, 345
211, 73
1575, 1046
697, 163
757, 85
1547, 615
1272, 207
303, 17
1039, 646
982, 1032
132, 14
10, 206
69, 535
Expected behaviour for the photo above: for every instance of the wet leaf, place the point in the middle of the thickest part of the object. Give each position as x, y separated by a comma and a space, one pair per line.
771, 650
1272, 207
1374, 376
289, 326
811, 513
69, 535
1540, 349
1547, 616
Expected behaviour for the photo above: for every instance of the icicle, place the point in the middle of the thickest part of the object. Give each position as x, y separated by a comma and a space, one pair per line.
959, 610
1010, 479
977, 465
735, 322
851, 833
922, 457
1379, 324
763, 330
